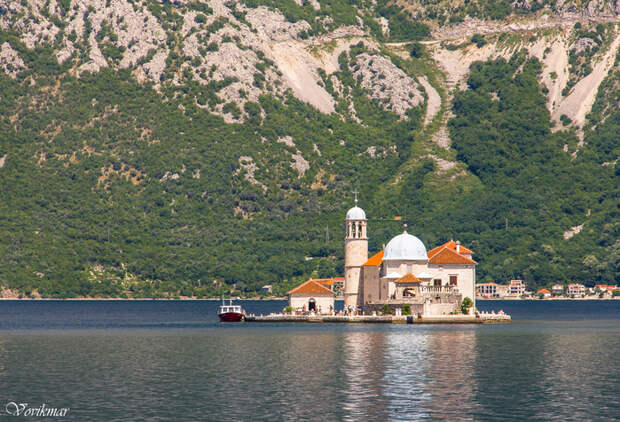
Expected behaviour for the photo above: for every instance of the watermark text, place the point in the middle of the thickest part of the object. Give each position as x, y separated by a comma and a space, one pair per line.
23, 409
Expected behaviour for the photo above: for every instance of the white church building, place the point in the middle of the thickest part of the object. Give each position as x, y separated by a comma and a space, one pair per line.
431, 283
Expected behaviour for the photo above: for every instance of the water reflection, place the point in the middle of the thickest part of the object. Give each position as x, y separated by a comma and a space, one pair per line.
406, 375
559, 370
364, 369
451, 384
409, 373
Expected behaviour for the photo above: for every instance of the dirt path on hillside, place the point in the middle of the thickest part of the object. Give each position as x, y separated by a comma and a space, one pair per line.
434, 100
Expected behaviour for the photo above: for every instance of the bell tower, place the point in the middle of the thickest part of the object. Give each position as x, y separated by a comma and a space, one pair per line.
355, 255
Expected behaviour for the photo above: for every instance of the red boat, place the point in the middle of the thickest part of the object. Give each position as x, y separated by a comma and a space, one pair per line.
230, 312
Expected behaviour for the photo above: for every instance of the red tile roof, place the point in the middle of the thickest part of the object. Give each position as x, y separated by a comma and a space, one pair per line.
324, 281
448, 256
310, 287
450, 245
408, 278
375, 260
544, 291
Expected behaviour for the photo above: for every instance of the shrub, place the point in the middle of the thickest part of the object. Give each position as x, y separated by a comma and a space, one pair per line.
406, 309
478, 39
466, 304
417, 50
385, 309
565, 120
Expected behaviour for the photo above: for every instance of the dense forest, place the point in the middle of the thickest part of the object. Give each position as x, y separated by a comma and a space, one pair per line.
112, 185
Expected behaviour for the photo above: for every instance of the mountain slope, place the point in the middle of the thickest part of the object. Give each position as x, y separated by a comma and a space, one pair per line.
189, 147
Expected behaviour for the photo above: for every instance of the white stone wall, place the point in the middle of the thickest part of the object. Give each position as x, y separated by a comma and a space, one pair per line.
435, 309
465, 273
405, 267
323, 300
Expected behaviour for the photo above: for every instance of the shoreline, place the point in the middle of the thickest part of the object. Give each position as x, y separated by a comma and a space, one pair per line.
547, 299
264, 299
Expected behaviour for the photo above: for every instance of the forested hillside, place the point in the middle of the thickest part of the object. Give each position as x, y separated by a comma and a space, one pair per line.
190, 148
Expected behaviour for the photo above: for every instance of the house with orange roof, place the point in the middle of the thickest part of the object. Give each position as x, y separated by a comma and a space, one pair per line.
431, 283
606, 287
313, 295
544, 292
516, 288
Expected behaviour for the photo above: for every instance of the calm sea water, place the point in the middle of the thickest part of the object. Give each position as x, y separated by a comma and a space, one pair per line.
173, 361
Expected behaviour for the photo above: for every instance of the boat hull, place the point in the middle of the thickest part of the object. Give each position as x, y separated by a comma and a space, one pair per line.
231, 317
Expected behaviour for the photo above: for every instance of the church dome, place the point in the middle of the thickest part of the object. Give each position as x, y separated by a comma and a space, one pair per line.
405, 247
356, 213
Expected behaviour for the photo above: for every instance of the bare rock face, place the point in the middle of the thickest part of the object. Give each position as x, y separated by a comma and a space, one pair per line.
242, 52
387, 83
287, 140
521, 4
249, 167
591, 9
88, 24
10, 62
273, 25
602, 8
300, 164
245, 54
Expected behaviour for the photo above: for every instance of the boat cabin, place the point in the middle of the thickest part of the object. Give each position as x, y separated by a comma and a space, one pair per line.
230, 308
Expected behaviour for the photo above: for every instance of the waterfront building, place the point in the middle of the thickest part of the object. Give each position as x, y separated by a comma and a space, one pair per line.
576, 289
516, 287
546, 293
404, 273
557, 289
605, 287
488, 289
312, 296
267, 288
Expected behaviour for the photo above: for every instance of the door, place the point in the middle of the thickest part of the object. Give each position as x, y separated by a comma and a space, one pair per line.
312, 305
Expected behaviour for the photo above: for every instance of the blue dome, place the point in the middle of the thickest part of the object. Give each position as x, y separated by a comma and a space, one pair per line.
405, 247
356, 213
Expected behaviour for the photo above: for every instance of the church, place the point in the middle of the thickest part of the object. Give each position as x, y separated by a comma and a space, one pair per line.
403, 273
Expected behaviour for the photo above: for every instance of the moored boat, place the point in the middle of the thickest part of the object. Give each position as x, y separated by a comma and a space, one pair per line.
230, 312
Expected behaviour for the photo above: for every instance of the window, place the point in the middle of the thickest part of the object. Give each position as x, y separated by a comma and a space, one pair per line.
437, 282
452, 280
